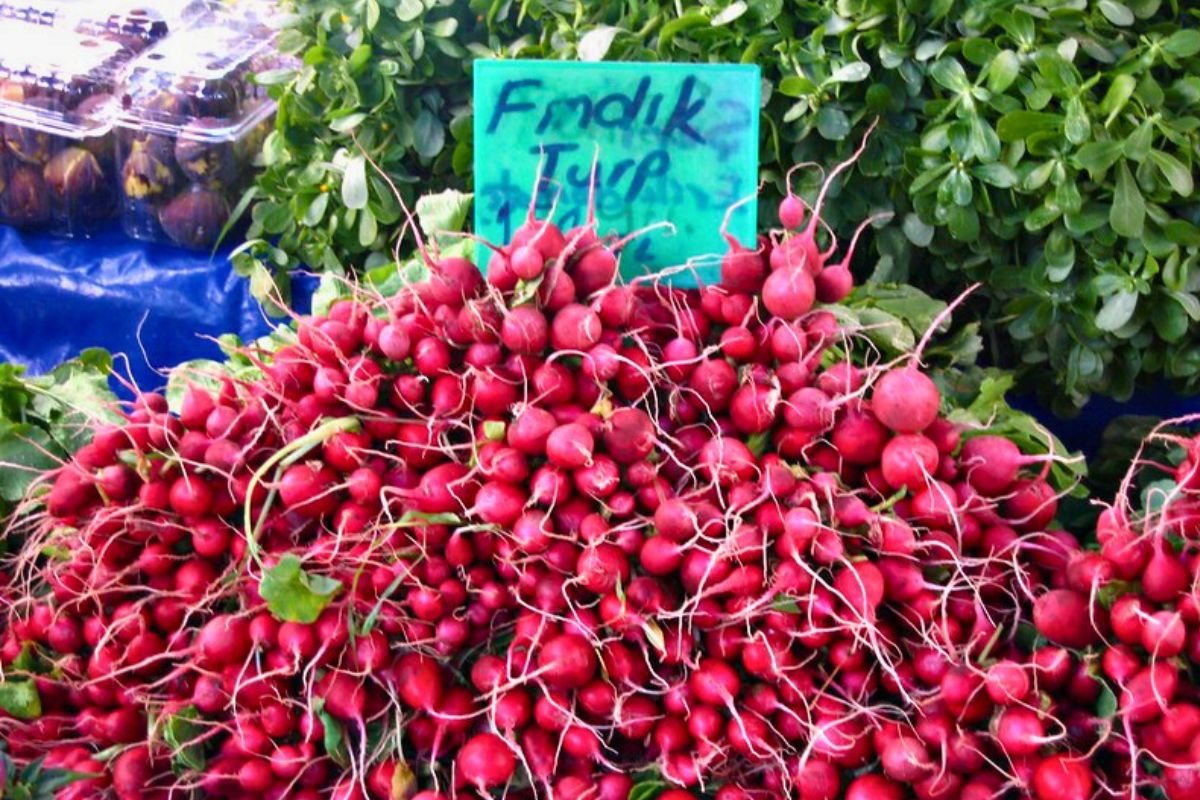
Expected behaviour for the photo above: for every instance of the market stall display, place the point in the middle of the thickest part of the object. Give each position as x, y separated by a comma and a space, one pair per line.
612, 494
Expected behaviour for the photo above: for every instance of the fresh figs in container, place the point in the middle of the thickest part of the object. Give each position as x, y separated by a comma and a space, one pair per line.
57, 156
191, 124
134, 25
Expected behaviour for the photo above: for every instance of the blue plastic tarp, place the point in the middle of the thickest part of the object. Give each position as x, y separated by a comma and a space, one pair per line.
154, 303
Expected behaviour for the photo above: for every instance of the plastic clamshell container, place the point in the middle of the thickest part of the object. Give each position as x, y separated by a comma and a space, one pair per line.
133, 24
57, 165
190, 125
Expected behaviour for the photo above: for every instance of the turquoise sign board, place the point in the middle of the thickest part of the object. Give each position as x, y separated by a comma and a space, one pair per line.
671, 142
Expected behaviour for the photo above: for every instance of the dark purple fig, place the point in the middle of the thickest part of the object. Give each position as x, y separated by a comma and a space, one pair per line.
27, 143
195, 218
74, 176
88, 112
165, 106
216, 98
26, 202
148, 171
202, 159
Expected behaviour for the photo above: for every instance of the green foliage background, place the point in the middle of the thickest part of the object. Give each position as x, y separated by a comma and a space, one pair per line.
1045, 149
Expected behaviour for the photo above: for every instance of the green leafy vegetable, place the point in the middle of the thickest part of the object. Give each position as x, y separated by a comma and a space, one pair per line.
295, 595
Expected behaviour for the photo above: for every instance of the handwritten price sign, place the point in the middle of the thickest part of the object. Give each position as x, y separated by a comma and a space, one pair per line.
677, 142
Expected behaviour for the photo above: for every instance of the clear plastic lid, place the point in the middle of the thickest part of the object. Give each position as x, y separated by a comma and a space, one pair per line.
200, 85
134, 24
57, 81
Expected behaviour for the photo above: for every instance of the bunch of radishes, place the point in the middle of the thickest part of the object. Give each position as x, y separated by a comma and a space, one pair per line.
550, 535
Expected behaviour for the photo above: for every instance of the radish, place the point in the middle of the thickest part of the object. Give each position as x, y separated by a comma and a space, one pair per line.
789, 293
1065, 617
908, 461
1061, 777
905, 400
567, 662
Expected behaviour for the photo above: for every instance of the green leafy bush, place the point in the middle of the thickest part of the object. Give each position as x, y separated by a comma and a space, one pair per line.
1044, 149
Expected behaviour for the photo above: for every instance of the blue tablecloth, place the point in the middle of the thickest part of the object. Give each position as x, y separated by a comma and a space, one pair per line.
152, 302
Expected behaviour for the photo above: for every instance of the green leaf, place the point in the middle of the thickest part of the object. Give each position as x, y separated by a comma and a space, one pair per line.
1182, 44
26, 451
1077, 128
963, 223
409, 10
730, 13
1017, 125
1179, 176
1118, 309
181, 732
796, 86
292, 594
347, 123
917, 231
853, 72
1097, 157
1116, 13
999, 175
1118, 94
1128, 213
444, 212
950, 74
429, 135
1004, 69
1106, 703
647, 789
1137, 146
20, 699
595, 43
335, 739
832, 123
354, 183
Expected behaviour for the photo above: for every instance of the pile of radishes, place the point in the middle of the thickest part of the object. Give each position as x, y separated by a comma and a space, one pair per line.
550, 535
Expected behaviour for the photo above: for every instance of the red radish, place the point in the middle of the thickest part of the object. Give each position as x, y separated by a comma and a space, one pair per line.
905, 400
909, 461
1063, 777
1007, 683
223, 642
873, 787
1064, 617
486, 761
567, 661
575, 327
789, 293
1020, 731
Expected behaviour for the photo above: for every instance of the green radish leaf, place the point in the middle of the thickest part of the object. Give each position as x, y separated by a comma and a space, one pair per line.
20, 699
442, 213
294, 595
180, 731
335, 739
1106, 703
